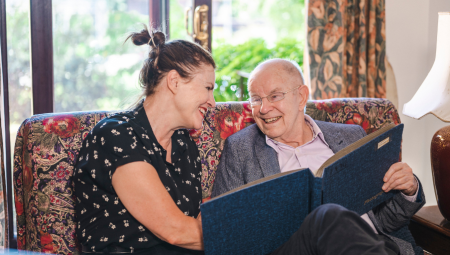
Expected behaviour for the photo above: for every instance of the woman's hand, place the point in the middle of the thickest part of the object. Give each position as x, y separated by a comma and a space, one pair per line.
400, 177
148, 201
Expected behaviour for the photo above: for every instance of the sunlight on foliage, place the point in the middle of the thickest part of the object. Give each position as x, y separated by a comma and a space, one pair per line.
245, 57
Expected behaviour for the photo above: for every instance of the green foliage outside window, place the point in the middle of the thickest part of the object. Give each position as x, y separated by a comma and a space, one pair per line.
245, 57
19, 77
288, 18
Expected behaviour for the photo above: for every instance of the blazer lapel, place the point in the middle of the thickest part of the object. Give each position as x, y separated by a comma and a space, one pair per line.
335, 141
332, 136
267, 157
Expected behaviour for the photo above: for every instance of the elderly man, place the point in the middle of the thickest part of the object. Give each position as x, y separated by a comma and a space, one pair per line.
284, 139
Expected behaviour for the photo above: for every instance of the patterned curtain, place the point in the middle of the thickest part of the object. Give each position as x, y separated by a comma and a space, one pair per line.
346, 48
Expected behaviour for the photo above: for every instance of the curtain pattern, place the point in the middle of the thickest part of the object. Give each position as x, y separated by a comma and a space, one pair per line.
347, 48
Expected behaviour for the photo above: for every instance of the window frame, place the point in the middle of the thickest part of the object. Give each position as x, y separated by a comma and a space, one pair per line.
9, 240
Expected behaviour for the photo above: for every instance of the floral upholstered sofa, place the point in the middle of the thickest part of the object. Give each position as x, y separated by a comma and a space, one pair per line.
47, 147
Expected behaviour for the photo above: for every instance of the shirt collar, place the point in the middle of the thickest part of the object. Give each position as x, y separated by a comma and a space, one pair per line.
141, 116
179, 141
314, 128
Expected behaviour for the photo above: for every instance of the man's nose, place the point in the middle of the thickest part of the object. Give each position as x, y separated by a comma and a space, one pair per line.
266, 106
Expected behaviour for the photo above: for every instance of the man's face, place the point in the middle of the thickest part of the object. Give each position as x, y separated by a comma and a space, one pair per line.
276, 119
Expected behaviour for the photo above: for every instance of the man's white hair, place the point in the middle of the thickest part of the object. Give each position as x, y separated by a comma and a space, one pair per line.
299, 69
294, 63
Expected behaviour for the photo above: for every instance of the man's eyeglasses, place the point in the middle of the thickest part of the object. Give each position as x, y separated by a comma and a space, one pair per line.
274, 97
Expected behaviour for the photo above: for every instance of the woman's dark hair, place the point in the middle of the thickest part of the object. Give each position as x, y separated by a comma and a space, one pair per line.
180, 55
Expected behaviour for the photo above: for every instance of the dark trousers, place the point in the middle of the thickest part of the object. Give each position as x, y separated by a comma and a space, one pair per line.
332, 230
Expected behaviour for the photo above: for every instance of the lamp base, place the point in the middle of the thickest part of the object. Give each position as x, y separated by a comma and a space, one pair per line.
440, 167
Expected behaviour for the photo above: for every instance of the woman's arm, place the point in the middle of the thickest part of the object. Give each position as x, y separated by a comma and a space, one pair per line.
141, 191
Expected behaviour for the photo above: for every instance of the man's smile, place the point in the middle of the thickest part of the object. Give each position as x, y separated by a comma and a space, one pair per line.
271, 120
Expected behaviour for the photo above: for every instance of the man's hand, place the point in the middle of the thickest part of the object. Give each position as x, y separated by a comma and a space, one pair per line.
400, 177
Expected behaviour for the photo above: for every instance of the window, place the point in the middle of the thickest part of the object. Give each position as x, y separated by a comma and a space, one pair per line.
93, 68
19, 76
18, 34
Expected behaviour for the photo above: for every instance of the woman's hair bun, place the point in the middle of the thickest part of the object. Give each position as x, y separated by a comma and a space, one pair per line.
158, 39
182, 56
154, 39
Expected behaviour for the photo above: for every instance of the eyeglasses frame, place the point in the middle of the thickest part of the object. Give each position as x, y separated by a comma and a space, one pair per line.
284, 93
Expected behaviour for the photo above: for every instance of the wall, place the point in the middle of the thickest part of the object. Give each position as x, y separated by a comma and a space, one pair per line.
411, 32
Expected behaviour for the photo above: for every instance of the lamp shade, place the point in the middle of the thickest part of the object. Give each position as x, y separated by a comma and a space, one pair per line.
433, 96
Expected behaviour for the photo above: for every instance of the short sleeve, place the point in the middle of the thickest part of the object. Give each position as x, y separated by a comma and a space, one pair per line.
115, 143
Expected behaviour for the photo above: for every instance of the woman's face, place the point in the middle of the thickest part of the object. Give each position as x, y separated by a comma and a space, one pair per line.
196, 97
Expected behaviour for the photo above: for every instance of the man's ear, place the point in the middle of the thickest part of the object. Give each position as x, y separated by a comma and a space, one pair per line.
172, 81
304, 96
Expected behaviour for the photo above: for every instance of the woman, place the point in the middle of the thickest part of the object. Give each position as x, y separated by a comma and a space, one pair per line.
137, 179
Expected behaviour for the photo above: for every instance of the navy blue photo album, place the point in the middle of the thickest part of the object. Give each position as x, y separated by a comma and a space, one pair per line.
260, 216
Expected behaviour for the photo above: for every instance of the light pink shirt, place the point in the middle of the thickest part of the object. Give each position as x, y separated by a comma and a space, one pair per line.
311, 155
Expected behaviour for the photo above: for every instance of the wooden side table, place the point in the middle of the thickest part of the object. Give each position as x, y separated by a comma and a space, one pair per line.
431, 231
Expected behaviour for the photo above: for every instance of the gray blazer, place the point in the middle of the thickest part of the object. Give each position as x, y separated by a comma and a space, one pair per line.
246, 157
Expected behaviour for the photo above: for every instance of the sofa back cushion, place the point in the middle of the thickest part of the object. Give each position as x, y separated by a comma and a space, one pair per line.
46, 150
228, 118
47, 147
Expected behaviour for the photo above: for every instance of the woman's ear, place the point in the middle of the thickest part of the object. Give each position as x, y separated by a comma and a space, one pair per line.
172, 81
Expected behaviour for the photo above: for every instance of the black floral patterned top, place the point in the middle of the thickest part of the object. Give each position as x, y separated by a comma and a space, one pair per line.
117, 140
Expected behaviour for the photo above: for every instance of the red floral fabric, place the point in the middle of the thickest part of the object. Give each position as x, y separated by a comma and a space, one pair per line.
228, 122
47, 147
64, 126
370, 113
45, 152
